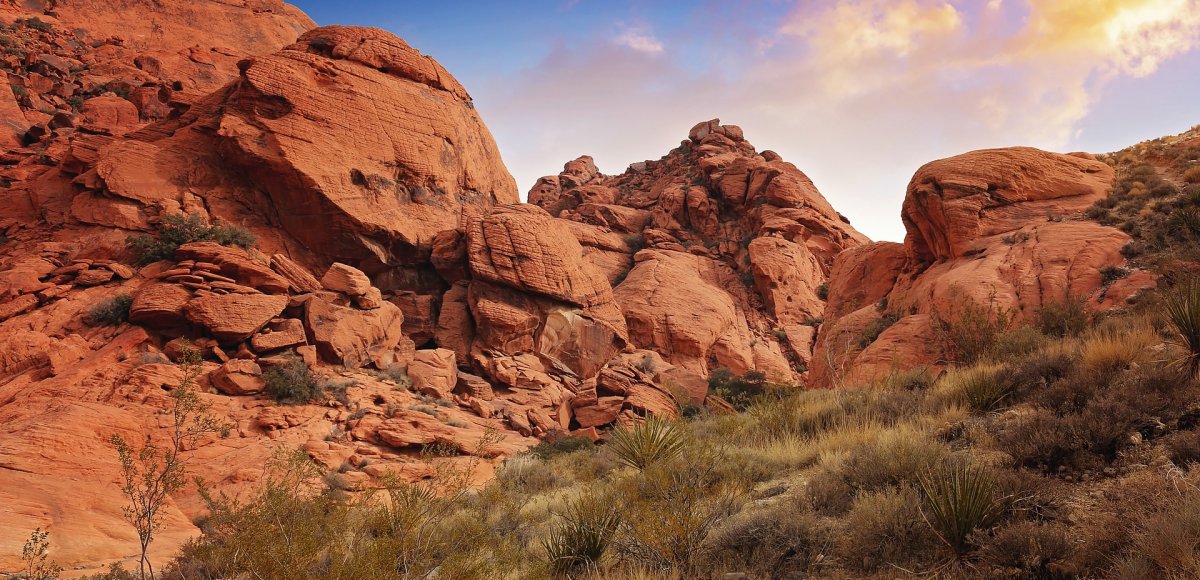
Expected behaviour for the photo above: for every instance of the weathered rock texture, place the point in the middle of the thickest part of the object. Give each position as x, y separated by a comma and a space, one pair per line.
1002, 228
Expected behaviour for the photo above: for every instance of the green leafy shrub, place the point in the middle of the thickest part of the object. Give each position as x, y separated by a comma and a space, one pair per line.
651, 442
581, 536
292, 383
960, 498
111, 312
560, 443
739, 391
177, 230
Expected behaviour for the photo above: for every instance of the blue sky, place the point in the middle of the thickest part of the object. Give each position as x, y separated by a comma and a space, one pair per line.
856, 93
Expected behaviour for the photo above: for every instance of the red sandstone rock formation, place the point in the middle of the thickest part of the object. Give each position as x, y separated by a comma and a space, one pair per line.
1002, 228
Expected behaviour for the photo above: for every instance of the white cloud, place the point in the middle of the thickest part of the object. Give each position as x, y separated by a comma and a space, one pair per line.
639, 39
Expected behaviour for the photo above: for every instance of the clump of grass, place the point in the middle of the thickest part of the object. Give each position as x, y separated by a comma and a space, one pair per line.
961, 498
1182, 307
292, 383
111, 312
1111, 349
983, 387
581, 536
1192, 175
176, 230
651, 442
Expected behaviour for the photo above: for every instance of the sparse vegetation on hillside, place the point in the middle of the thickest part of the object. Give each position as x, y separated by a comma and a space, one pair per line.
176, 230
988, 470
111, 312
292, 383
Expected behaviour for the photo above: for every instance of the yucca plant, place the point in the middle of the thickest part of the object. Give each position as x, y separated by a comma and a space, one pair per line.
1182, 305
960, 498
984, 388
580, 538
650, 442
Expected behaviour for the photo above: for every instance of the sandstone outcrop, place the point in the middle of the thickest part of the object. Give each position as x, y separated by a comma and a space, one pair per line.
1000, 228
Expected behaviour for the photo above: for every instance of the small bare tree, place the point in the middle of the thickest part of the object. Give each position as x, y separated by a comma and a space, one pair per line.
36, 555
156, 470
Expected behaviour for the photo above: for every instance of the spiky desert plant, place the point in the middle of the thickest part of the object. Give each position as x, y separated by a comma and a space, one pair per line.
983, 387
581, 536
960, 498
1182, 305
650, 442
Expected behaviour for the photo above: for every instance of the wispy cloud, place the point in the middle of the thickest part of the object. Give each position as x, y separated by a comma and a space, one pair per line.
638, 38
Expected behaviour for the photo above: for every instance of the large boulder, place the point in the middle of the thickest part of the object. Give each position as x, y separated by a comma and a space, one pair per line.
347, 336
364, 146
233, 318
953, 202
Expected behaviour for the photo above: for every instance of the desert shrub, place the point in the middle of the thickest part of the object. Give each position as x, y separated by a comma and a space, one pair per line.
823, 291
1036, 550
969, 331
292, 383
877, 327
560, 443
739, 391
1182, 308
960, 498
646, 364
1037, 439
652, 441
886, 527
1166, 543
1110, 274
982, 387
581, 536
527, 475
634, 241
1183, 447
894, 457
35, 557
1192, 175
1018, 342
1068, 317
37, 24
1112, 348
118, 572
111, 312
782, 539
670, 508
176, 230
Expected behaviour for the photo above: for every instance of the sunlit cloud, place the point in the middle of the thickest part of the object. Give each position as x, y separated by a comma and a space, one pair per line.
639, 39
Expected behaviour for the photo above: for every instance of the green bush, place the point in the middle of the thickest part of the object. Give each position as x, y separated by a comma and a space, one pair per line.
177, 230
560, 443
961, 498
292, 383
651, 442
111, 312
739, 391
